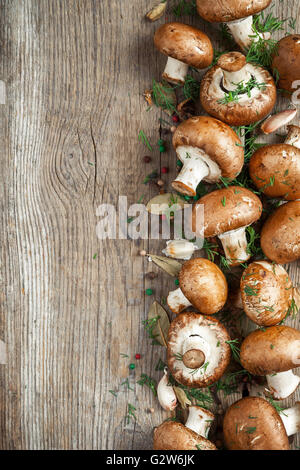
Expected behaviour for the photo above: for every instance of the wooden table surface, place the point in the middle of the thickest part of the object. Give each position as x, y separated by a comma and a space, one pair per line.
71, 304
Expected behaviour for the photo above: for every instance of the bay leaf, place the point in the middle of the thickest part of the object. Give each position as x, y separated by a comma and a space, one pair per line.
171, 266
161, 327
181, 397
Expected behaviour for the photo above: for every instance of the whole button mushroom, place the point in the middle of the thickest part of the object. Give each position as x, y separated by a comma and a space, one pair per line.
252, 423
202, 285
275, 169
237, 15
273, 352
172, 435
280, 235
267, 293
185, 46
227, 213
198, 350
286, 62
237, 92
209, 150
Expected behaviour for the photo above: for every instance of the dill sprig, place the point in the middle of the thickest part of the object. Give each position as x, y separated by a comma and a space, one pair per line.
230, 383
235, 349
191, 88
209, 249
164, 97
142, 138
185, 8
149, 326
130, 413
149, 382
253, 246
241, 89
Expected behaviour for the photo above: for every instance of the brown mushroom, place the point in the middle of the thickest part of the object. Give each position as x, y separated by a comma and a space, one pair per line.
252, 423
185, 46
209, 150
237, 15
237, 92
267, 293
202, 285
172, 435
205, 337
286, 62
273, 352
280, 235
275, 169
227, 213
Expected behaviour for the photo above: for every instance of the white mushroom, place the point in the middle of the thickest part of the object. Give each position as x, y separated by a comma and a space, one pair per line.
243, 33
199, 420
291, 419
282, 384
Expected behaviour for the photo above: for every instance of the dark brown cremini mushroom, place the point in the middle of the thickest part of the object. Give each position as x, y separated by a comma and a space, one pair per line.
254, 88
273, 352
208, 340
237, 14
202, 285
172, 435
267, 293
252, 423
209, 150
275, 169
286, 62
280, 235
185, 46
227, 213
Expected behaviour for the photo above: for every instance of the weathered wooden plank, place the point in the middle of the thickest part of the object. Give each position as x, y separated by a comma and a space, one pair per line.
75, 73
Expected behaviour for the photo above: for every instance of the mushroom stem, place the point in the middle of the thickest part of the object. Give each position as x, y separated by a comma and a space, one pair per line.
199, 420
293, 137
231, 79
194, 351
291, 419
175, 71
282, 384
234, 244
197, 165
177, 301
243, 33
165, 393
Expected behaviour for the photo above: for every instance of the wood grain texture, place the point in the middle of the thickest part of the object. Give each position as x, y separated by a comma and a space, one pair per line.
75, 72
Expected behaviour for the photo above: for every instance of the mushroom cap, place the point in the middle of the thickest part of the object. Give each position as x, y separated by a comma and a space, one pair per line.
204, 285
172, 435
229, 10
280, 235
216, 139
275, 170
246, 110
184, 43
267, 292
209, 328
252, 423
227, 209
286, 61
272, 350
